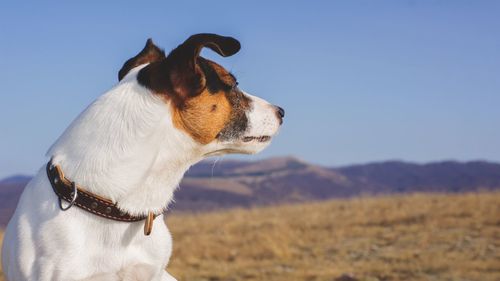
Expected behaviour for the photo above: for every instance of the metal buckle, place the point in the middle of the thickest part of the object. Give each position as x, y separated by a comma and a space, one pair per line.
74, 194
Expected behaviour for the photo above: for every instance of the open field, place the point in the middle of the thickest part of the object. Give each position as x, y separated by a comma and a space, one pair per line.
413, 237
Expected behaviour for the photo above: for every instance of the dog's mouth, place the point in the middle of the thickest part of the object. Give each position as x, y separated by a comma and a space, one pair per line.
244, 145
258, 139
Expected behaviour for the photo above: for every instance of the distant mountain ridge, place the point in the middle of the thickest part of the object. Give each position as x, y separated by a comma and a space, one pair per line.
229, 183
445, 176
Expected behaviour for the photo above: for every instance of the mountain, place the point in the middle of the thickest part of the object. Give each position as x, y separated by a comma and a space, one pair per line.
271, 181
225, 184
447, 176
10, 191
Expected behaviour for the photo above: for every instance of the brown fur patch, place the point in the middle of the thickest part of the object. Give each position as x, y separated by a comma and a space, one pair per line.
219, 79
218, 112
203, 116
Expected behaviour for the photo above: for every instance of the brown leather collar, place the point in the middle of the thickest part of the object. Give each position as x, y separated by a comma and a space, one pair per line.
93, 203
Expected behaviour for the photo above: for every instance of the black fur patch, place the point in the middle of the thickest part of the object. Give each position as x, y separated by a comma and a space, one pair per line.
213, 82
150, 53
239, 120
177, 76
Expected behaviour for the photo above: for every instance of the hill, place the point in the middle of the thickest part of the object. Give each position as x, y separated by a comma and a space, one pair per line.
10, 191
446, 176
412, 237
226, 184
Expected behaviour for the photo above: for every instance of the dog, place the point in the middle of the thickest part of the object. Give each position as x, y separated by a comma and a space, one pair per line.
122, 159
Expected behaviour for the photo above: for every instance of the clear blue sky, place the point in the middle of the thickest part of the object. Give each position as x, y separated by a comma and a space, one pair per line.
360, 80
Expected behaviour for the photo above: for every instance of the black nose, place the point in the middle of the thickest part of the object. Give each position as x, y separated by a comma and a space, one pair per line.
281, 111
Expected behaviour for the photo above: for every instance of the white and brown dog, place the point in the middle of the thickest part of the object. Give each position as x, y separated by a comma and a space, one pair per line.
131, 148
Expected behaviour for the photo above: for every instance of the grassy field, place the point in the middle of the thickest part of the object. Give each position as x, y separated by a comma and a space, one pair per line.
414, 237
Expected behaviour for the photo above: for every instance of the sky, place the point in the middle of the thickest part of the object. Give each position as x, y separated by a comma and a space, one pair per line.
361, 81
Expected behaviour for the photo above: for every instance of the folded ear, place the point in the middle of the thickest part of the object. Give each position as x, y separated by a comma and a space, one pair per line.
150, 53
188, 52
179, 75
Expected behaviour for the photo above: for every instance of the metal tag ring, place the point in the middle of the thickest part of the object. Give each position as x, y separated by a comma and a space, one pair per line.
72, 202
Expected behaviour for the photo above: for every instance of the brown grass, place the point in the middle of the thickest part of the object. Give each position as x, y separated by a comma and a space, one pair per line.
413, 237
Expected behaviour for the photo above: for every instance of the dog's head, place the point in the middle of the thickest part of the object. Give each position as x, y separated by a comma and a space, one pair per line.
205, 99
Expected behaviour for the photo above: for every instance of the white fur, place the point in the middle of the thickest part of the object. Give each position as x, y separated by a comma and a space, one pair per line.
125, 147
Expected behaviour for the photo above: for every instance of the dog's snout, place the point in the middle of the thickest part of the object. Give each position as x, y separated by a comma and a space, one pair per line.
280, 112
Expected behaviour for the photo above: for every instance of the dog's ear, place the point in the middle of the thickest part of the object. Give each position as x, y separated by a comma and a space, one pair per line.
186, 75
180, 75
186, 54
150, 53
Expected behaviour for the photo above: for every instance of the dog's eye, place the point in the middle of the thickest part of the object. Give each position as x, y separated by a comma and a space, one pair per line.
235, 85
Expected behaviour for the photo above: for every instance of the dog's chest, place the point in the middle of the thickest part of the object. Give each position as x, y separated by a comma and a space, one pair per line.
77, 244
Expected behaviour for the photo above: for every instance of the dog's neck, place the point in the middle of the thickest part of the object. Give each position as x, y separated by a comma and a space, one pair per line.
124, 147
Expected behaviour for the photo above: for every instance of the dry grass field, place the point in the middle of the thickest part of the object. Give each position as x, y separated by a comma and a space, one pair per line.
412, 237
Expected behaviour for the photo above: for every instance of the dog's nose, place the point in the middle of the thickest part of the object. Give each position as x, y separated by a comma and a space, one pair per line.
280, 113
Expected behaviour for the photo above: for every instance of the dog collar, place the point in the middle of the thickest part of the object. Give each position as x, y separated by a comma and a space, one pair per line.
68, 191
